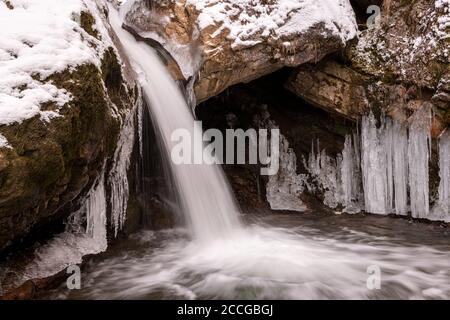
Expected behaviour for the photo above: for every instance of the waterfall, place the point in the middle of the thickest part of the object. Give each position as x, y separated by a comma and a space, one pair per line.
202, 190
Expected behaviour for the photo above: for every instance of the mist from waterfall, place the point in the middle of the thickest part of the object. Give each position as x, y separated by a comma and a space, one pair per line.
203, 192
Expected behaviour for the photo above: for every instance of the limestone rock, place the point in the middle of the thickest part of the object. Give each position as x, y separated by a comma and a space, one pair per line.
222, 43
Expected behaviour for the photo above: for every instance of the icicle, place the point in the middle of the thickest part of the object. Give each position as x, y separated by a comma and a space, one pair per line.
284, 189
95, 208
69, 247
350, 178
118, 178
326, 174
374, 167
418, 160
400, 167
441, 210
387, 142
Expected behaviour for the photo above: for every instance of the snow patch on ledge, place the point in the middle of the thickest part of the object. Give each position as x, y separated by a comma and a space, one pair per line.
250, 21
37, 39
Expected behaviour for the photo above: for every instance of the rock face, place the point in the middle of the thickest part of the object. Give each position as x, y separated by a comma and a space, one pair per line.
221, 43
51, 156
396, 66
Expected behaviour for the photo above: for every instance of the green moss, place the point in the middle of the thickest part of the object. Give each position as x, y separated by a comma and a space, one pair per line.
93, 118
87, 22
438, 70
51, 163
112, 77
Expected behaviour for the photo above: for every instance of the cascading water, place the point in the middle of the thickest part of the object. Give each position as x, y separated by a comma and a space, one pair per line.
204, 194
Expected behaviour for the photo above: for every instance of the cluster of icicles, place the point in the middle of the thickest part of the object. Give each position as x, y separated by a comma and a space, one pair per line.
385, 170
86, 229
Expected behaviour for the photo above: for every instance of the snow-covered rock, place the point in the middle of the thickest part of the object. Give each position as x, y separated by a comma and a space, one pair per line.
396, 66
64, 92
225, 42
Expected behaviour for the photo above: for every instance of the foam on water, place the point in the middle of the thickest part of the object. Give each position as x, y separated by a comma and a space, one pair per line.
269, 263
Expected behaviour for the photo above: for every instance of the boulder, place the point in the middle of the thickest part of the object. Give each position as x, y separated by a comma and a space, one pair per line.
396, 66
62, 105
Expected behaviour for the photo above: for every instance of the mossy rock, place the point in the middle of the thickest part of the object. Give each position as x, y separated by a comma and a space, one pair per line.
52, 163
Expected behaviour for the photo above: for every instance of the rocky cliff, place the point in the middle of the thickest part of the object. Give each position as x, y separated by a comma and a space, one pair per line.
397, 65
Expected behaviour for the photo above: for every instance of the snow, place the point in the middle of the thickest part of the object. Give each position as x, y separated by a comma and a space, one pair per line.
249, 21
4, 142
37, 39
244, 23
401, 51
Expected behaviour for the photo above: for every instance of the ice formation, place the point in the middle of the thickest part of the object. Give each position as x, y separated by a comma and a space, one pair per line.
418, 160
284, 189
441, 210
118, 177
391, 162
338, 179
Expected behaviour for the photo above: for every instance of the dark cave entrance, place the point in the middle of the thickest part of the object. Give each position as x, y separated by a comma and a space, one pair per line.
301, 123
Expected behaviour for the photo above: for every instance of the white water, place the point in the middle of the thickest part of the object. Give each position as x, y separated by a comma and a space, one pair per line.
204, 194
293, 262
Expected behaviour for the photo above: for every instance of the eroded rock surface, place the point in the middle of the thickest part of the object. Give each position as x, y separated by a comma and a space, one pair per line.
222, 43
396, 66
